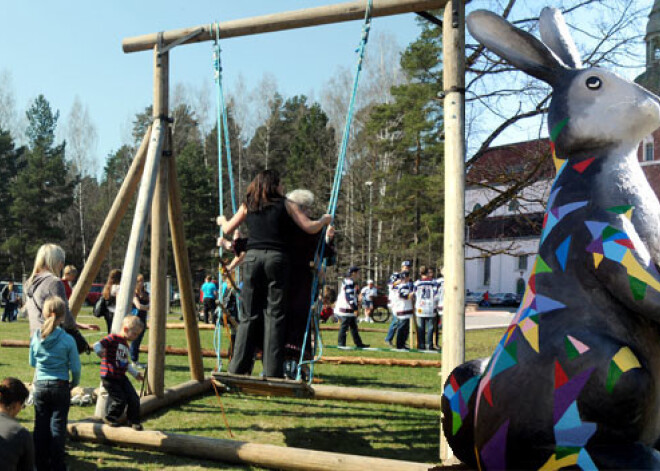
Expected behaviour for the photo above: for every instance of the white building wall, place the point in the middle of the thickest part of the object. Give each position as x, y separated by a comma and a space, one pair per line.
504, 271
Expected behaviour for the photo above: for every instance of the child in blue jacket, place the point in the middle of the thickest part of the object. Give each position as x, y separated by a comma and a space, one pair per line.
53, 352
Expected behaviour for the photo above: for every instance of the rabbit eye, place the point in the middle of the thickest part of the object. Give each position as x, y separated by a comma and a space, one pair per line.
593, 83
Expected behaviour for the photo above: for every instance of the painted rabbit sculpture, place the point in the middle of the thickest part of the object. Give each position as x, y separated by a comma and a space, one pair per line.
575, 381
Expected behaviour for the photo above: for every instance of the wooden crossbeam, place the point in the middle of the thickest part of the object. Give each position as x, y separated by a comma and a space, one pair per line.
324, 15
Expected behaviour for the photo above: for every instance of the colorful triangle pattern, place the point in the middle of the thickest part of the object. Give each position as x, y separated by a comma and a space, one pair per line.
624, 360
614, 244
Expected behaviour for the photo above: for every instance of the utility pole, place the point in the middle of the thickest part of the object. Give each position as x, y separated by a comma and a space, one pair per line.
370, 184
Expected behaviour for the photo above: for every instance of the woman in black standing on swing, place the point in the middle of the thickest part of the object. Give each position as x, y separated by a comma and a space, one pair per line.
268, 215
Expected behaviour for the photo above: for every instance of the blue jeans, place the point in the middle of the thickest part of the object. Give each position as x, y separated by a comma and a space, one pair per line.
51, 410
402, 330
392, 330
134, 349
425, 332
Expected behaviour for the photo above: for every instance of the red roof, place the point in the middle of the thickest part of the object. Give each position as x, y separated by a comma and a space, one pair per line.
507, 163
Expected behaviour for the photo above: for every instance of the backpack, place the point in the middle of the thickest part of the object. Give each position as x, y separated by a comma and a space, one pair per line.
100, 308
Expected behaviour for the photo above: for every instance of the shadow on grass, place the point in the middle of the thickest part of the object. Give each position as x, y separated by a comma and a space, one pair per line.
365, 441
363, 382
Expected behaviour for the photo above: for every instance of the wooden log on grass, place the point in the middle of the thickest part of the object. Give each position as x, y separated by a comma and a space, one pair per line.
379, 396
349, 360
231, 451
202, 326
339, 360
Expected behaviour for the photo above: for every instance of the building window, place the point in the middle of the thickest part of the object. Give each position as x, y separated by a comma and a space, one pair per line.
514, 205
486, 271
522, 262
648, 152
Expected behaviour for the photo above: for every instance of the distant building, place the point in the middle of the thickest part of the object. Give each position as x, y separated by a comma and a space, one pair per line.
501, 248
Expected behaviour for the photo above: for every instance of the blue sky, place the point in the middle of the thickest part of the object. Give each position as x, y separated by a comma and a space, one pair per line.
73, 48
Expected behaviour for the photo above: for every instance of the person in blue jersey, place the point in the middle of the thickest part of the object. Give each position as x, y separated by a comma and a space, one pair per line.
346, 309
269, 217
209, 295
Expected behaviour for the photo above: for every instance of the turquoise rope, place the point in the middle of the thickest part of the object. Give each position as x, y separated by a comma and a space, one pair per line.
332, 208
223, 130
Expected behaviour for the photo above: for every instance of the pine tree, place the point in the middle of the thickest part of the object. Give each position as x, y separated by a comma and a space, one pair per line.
42, 192
11, 162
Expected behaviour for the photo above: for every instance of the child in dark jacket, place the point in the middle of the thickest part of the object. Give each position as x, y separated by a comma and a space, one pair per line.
53, 352
113, 349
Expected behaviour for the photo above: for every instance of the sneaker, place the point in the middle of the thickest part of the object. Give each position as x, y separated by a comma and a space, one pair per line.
110, 421
389, 342
137, 365
138, 427
371, 321
364, 345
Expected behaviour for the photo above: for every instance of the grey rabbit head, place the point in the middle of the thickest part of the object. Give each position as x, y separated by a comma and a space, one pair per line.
597, 108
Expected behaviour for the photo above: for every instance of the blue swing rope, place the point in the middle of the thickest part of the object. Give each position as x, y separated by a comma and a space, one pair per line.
320, 262
223, 129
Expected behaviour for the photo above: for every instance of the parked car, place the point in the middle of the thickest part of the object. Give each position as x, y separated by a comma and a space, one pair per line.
474, 297
19, 290
504, 299
95, 292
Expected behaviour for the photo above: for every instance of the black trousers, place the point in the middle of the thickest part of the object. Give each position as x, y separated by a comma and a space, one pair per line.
265, 296
209, 309
346, 324
120, 395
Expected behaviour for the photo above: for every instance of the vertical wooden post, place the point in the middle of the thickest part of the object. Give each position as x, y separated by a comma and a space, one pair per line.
159, 294
109, 228
183, 274
136, 240
453, 328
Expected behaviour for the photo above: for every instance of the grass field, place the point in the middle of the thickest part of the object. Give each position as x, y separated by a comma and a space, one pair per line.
384, 431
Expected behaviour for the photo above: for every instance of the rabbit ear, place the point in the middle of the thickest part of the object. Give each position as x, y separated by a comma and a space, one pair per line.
515, 45
556, 36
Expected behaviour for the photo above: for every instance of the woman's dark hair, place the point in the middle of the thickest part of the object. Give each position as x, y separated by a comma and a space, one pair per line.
263, 190
113, 279
12, 390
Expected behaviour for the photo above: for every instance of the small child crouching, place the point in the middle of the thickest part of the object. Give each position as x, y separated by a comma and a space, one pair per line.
113, 349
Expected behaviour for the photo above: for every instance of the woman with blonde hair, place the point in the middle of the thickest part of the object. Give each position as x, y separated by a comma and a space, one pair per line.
54, 354
44, 283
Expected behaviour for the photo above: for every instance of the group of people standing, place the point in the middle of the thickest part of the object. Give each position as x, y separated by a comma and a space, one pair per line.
421, 300
281, 244
55, 356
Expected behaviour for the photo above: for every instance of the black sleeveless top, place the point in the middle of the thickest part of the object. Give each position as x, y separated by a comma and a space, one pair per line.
269, 228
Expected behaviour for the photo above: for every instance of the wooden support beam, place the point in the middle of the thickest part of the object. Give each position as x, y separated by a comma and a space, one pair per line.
378, 396
453, 326
283, 21
109, 228
339, 360
152, 404
184, 274
159, 226
201, 326
230, 451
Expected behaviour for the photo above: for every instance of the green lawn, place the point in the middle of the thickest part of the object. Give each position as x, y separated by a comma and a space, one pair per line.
393, 432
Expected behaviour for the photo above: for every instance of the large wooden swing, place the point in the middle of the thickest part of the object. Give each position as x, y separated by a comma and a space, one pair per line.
154, 170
